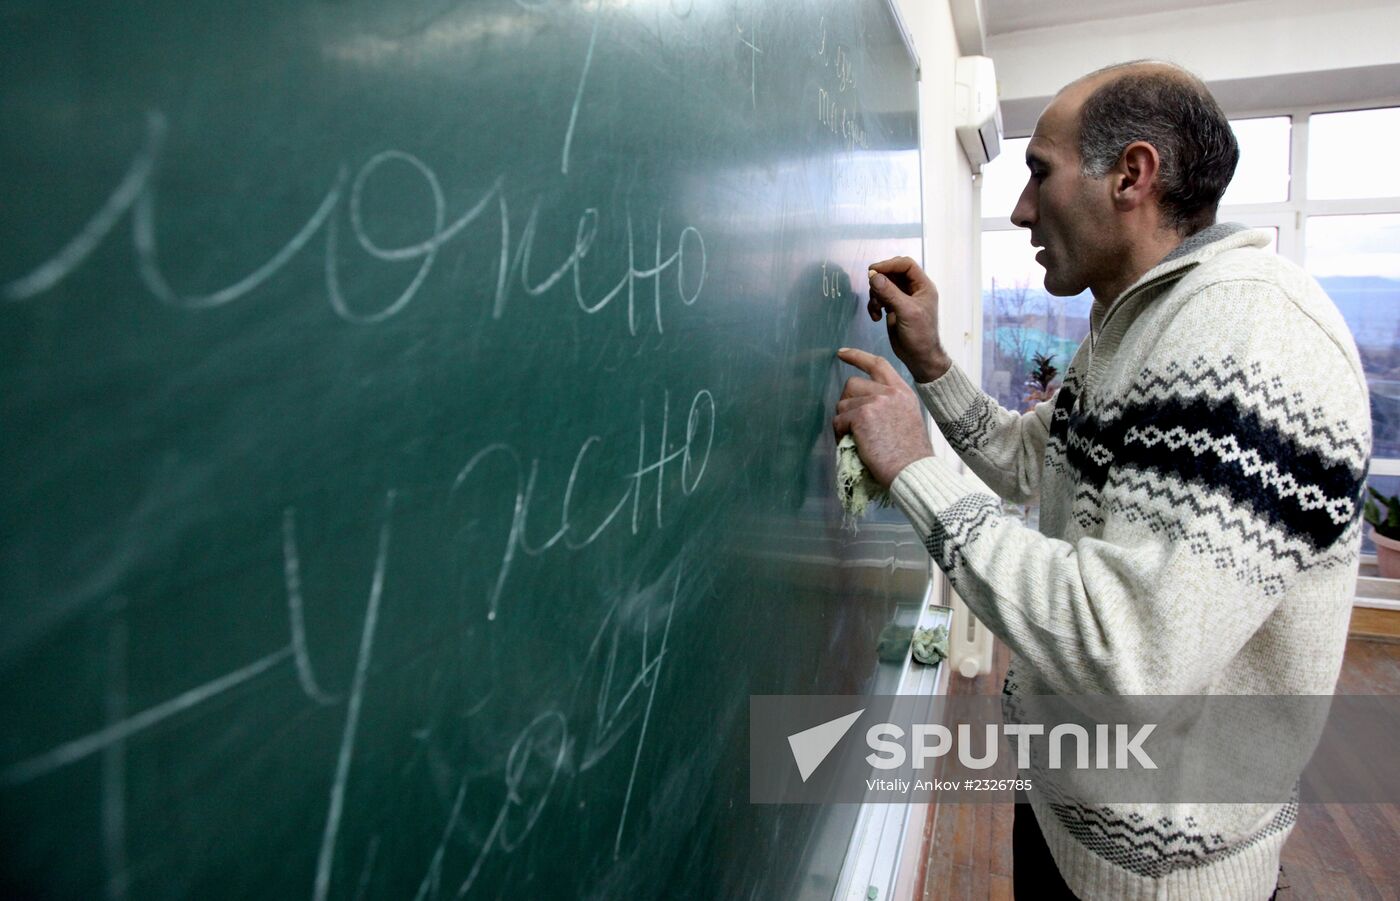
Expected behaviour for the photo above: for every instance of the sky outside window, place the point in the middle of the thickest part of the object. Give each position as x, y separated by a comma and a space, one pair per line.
1003, 179
1265, 154
1357, 261
1351, 155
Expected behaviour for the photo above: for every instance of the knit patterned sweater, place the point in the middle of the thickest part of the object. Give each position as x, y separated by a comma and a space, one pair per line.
1200, 474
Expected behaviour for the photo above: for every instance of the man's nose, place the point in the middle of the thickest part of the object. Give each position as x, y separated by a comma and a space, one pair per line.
1024, 213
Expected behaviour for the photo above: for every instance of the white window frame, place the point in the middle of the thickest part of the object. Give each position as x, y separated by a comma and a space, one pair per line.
1290, 216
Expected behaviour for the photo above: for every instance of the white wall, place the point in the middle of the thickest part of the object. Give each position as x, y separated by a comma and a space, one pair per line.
952, 241
951, 224
1256, 55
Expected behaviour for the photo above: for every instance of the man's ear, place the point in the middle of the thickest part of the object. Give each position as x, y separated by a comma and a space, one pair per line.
1135, 177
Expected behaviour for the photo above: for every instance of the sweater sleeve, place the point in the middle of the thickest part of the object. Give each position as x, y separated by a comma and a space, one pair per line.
1003, 448
1224, 473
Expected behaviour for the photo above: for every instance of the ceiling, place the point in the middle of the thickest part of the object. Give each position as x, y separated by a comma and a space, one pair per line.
1003, 16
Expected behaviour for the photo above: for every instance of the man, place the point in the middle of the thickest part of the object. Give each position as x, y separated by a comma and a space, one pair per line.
1199, 471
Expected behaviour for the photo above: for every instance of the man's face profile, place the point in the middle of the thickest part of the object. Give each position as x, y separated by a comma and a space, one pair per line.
1068, 213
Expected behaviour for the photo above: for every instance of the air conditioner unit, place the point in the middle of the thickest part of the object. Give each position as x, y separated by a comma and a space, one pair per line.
976, 111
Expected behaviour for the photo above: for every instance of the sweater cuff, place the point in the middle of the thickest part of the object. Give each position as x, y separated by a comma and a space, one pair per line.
948, 396
925, 487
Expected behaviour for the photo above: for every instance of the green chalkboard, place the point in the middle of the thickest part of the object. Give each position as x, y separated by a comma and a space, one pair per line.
415, 441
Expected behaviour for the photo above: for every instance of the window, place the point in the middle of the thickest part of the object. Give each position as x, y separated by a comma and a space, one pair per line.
1351, 155
1262, 174
1357, 261
1351, 245
1389, 486
1020, 320
1002, 180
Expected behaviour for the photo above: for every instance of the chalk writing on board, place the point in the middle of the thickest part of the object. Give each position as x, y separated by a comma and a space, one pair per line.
841, 120
118, 730
840, 59
427, 249
71, 255
578, 94
291, 574
649, 676
690, 244
612, 715
693, 455
367, 868
754, 51
546, 737
336, 805
81, 748
838, 115
831, 280
136, 194
548, 743
147, 254
845, 75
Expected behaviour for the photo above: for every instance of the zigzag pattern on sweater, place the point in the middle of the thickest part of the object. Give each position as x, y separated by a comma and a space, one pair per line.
1268, 398
1260, 557
1200, 441
955, 527
1266, 541
1170, 504
1173, 500
1156, 849
1222, 445
972, 429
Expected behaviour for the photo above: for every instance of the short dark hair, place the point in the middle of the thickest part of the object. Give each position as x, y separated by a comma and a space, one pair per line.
1172, 110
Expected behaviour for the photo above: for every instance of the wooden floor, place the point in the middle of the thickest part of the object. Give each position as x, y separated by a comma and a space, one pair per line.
971, 847
1337, 852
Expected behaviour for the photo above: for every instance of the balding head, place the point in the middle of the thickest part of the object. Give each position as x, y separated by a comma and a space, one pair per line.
1169, 108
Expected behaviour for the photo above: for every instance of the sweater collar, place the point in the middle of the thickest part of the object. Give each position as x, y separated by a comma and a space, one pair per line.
1196, 249
1206, 236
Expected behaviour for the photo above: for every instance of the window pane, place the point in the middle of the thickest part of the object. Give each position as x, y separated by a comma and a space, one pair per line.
1003, 178
1020, 320
1387, 485
1357, 260
1262, 175
1351, 155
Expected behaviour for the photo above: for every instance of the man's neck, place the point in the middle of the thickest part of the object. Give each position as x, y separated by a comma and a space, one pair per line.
1138, 258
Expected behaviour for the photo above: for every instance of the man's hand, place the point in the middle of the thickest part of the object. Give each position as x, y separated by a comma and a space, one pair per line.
909, 300
884, 414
